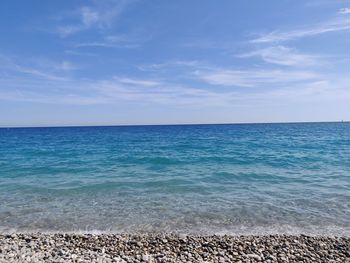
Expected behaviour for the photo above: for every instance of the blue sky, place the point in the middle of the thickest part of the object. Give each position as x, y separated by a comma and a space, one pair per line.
185, 61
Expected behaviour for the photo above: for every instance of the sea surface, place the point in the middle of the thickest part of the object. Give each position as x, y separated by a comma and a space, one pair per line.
199, 179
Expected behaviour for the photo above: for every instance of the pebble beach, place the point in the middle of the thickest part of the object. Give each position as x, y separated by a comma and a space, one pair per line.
171, 248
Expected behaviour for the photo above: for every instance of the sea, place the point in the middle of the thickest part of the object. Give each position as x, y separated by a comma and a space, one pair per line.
237, 179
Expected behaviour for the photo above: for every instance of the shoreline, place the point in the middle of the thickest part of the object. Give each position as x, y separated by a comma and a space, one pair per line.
70, 247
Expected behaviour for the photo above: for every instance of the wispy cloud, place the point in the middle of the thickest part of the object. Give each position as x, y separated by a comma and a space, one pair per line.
38, 68
273, 88
282, 55
67, 30
94, 44
254, 78
113, 41
90, 17
137, 82
66, 66
100, 16
345, 10
116, 89
23, 83
172, 64
29, 84
38, 73
138, 90
79, 53
154, 91
335, 25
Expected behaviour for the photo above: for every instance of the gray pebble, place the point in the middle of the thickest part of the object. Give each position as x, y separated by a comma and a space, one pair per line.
150, 248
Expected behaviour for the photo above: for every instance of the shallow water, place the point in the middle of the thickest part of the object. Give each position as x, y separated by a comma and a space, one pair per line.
204, 179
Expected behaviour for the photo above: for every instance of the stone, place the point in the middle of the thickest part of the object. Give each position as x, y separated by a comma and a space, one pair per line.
254, 256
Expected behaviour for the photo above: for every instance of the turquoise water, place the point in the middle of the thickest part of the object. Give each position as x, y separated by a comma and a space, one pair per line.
204, 179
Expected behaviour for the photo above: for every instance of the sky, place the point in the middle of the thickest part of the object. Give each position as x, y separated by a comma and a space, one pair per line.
126, 62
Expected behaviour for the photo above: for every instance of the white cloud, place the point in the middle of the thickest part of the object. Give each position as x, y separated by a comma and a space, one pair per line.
254, 78
79, 53
152, 91
21, 83
300, 98
345, 10
94, 44
39, 73
282, 56
89, 16
68, 30
137, 82
281, 96
340, 24
175, 64
112, 42
38, 68
84, 92
101, 15
66, 66
276, 87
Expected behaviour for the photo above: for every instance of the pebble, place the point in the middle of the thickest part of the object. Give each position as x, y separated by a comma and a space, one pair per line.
145, 258
254, 256
153, 248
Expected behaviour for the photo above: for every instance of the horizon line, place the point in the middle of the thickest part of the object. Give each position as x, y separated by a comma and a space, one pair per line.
170, 124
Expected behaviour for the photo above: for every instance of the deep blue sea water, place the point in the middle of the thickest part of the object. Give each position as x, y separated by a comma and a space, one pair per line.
203, 179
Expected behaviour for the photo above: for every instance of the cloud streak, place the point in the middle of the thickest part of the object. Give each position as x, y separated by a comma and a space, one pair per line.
111, 91
282, 55
100, 16
254, 78
112, 42
36, 69
26, 84
336, 25
345, 10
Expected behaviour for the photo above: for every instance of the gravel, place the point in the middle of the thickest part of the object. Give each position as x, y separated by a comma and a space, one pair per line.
171, 248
